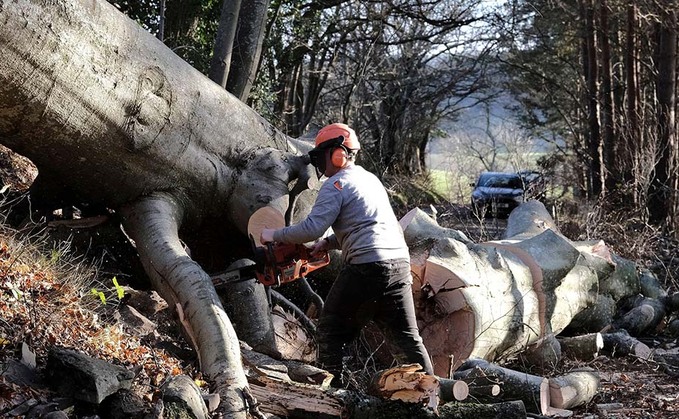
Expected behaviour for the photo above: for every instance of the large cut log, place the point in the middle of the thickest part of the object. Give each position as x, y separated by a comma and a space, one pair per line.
113, 118
498, 299
573, 389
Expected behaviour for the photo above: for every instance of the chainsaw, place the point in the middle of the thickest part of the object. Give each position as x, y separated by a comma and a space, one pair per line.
280, 263
274, 264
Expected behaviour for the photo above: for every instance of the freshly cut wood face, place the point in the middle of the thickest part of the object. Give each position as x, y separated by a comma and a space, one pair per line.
265, 217
407, 383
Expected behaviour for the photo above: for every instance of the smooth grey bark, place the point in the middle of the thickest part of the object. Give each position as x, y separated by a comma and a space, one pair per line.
226, 33
247, 48
497, 299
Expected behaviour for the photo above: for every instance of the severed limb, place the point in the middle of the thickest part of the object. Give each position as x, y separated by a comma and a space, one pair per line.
153, 223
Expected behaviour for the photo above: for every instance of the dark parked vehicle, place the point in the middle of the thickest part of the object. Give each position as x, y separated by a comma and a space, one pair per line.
497, 194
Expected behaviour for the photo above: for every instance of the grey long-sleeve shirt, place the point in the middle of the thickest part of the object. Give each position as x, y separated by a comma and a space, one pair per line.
354, 203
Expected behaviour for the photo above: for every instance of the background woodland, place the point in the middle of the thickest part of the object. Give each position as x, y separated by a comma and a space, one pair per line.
593, 82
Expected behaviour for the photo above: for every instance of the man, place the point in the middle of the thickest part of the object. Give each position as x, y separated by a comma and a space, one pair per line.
374, 282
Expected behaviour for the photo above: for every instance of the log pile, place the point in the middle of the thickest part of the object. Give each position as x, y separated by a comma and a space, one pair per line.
479, 305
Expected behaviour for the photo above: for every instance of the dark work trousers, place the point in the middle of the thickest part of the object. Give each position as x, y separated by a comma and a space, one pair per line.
377, 291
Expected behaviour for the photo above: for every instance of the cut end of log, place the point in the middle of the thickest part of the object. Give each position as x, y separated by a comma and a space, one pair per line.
265, 217
407, 383
545, 401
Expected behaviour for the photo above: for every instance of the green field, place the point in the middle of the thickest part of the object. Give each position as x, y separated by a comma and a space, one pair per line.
454, 188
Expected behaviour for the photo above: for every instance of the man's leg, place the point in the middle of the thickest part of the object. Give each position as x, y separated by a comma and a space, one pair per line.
346, 310
396, 318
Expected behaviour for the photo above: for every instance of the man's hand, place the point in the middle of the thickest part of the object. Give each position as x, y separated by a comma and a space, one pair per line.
319, 247
266, 236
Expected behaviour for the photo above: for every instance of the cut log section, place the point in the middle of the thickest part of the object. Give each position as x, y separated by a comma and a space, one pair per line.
506, 410
622, 344
292, 340
481, 387
453, 390
544, 354
645, 315
533, 390
573, 389
485, 392
407, 383
265, 217
584, 347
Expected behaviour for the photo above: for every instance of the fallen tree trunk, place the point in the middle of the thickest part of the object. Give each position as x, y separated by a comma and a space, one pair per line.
112, 118
498, 299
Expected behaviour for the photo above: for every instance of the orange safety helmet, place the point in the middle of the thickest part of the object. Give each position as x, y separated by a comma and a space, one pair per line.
338, 136
333, 131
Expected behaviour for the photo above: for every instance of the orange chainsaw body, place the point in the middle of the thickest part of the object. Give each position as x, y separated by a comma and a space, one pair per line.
280, 263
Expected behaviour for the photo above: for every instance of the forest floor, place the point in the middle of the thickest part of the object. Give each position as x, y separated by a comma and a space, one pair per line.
48, 296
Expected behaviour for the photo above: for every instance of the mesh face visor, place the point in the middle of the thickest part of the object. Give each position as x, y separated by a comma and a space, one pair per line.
317, 155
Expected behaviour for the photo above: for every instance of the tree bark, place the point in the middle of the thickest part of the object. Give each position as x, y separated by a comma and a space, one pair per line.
662, 198
591, 73
631, 149
622, 344
608, 116
155, 221
247, 49
584, 347
223, 48
507, 410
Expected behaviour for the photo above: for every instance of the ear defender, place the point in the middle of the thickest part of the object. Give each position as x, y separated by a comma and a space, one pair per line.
339, 157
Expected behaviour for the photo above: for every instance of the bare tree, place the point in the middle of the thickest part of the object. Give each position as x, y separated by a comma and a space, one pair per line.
247, 49
223, 46
662, 196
